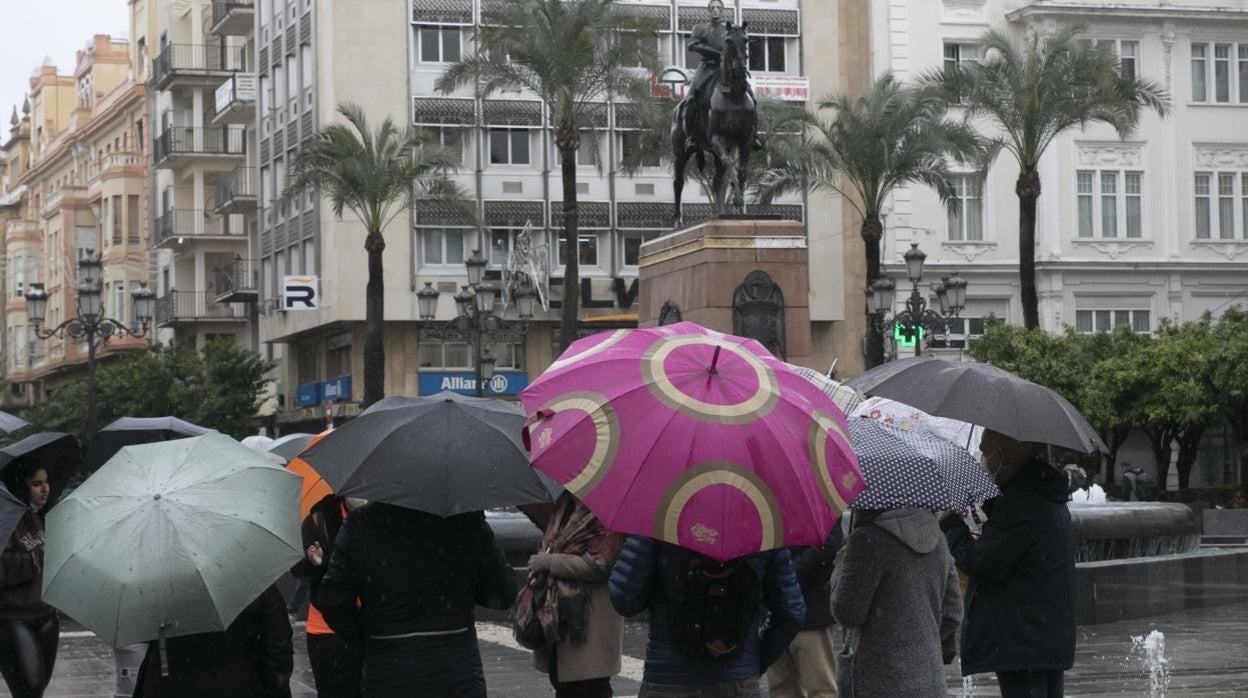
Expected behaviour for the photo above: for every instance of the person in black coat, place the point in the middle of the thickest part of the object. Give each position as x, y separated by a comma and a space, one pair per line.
807, 667
403, 583
1020, 605
252, 658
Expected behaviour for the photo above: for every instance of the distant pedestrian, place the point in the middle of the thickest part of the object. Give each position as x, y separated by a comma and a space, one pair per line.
403, 583
896, 593
807, 669
335, 660
29, 628
573, 607
1020, 605
1137, 486
714, 629
252, 658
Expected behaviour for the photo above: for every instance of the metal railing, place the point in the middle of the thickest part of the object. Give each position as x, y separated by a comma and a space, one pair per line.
181, 222
178, 306
238, 183
184, 140
193, 59
239, 276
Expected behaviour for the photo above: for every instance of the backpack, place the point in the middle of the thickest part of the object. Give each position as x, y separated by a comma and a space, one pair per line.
714, 607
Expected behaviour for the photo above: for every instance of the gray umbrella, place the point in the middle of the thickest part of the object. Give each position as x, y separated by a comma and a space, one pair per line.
12, 510
985, 395
915, 469
10, 423
290, 445
445, 454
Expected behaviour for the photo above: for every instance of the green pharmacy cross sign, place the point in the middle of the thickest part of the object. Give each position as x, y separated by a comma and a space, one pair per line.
908, 336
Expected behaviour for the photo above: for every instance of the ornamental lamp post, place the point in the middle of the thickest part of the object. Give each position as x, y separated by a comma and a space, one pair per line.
917, 321
90, 324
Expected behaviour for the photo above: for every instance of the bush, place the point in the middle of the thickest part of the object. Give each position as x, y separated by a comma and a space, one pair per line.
1218, 496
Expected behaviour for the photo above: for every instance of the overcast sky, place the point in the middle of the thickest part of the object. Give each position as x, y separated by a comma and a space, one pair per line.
31, 30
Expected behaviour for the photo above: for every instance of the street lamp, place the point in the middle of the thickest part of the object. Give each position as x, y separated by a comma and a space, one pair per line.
90, 324
477, 321
917, 317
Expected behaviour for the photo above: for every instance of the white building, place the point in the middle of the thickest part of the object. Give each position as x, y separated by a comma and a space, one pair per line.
1129, 232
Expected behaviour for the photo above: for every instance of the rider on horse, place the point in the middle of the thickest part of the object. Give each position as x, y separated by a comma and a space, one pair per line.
708, 41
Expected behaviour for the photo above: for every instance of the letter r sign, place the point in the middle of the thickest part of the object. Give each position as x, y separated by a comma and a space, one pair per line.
300, 293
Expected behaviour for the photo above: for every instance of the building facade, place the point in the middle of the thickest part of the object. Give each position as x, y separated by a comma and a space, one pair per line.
1129, 232
75, 180
386, 57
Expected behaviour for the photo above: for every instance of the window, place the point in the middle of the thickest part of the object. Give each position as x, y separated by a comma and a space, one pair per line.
768, 54
1227, 60
452, 139
442, 246
957, 53
1109, 203
1127, 52
502, 240
587, 247
118, 309
587, 154
959, 333
1231, 220
1089, 321
509, 146
967, 222
631, 241
338, 361
438, 44
630, 143
508, 356
435, 354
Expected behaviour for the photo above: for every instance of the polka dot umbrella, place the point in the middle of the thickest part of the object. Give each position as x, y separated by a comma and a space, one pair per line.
910, 469
694, 437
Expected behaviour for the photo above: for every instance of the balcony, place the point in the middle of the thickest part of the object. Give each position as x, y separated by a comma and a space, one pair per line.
181, 145
19, 229
236, 191
185, 65
70, 193
232, 17
179, 225
238, 282
185, 307
235, 100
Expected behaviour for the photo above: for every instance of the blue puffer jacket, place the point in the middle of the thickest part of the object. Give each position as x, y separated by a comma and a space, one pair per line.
645, 578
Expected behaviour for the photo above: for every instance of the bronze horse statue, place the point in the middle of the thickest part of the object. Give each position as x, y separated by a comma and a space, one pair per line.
723, 120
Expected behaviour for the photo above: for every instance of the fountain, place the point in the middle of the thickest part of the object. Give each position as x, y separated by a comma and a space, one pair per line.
1151, 649
1121, 530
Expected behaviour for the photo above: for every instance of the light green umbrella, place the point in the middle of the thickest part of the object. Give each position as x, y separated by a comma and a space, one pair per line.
172, 538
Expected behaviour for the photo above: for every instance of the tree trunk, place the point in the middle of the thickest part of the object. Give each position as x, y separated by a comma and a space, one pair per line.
1161, 440
872, 233
1189, 448
568, 140
374, 322
1028, 190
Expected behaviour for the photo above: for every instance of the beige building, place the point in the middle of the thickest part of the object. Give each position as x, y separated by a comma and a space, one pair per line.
75, 180
385, 56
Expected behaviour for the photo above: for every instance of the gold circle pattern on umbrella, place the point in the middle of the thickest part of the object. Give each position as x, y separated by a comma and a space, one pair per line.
717, 473
606, 431
753, 408
822, 426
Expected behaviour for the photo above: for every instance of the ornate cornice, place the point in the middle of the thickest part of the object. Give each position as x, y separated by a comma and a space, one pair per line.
1110, 154
1110, 247
968, 249
1231, 249
1220, 155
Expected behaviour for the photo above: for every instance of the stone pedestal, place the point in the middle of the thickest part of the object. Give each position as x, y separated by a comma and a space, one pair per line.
700, 268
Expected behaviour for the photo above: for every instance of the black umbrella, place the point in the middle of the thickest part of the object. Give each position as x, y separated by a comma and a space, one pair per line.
132, 431
10, 423
985, 395
445, 454
11, 511
916, 469
55, 452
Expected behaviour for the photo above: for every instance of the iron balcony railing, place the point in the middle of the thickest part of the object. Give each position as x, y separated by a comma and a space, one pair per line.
191, 223
183, 306
236, 187
238, 278
185, 140
195, 60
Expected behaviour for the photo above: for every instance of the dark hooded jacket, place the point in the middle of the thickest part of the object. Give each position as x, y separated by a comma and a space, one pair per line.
814, 565
252, 658
647, 576
1021, 602
21, 571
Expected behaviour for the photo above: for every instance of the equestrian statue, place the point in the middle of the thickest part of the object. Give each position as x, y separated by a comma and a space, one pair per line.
719, 112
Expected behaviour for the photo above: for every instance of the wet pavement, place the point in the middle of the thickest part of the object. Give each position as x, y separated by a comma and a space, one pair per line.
1205, 654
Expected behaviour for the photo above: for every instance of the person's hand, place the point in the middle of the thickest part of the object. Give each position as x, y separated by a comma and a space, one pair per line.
316, 556
539, 563
840, 555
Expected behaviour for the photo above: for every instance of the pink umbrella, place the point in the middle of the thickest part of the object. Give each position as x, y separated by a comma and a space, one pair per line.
693, 437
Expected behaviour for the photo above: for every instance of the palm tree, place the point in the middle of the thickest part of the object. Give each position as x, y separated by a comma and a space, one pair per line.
574, 55
376, 175
1034, 90
889, 137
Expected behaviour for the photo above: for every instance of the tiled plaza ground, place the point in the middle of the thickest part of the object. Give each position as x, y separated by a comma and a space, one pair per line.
1207, 651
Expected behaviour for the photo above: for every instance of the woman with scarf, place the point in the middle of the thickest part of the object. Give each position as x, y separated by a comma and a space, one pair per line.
583, 633
29, 628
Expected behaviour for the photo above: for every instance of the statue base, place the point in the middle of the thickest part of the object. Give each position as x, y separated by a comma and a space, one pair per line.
702, 270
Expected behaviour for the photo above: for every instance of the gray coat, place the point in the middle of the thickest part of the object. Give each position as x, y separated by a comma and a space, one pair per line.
897, 594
